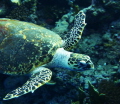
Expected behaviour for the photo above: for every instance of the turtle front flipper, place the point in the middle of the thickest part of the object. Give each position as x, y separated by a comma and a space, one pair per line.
72, 37
37, 79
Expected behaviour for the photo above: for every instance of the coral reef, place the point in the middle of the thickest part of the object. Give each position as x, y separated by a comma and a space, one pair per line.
100, 40
111, 90
19, 13
3, 8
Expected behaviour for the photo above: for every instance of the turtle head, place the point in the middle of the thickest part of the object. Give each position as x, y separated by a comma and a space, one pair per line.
80, 62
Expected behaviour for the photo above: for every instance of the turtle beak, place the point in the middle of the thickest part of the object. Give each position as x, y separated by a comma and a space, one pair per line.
90, 63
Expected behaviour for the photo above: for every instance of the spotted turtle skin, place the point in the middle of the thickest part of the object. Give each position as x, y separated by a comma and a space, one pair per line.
24, 46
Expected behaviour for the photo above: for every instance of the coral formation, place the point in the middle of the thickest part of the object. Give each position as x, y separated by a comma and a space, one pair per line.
100, 40
111, 90
3, 8
18, 2
19, 13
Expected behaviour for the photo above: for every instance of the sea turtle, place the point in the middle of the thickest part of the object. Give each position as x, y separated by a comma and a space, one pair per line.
26, 48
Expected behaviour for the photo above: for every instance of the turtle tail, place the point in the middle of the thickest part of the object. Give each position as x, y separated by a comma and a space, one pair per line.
72, 37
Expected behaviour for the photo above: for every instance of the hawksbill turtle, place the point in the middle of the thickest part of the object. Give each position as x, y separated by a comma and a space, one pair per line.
26, 48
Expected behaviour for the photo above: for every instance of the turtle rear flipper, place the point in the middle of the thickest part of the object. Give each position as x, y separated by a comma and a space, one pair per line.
36, 80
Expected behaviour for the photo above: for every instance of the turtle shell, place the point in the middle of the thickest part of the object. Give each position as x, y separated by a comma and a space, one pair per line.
24, 46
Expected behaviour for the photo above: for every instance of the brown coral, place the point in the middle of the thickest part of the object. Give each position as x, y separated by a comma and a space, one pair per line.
111, 90
20, 13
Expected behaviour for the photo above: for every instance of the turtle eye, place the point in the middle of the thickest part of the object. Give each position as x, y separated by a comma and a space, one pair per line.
82, 62
83, 65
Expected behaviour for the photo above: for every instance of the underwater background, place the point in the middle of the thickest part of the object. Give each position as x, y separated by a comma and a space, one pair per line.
100, 40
